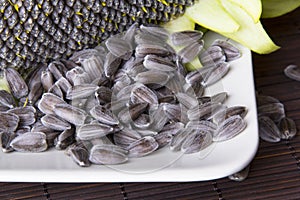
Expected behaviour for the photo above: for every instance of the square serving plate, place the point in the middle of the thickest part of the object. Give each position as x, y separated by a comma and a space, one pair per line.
218, 160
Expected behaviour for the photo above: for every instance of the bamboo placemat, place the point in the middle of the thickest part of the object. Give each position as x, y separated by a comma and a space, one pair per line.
274, 173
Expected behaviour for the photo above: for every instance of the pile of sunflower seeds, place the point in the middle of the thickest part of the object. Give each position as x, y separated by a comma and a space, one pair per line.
126, 98
274, 125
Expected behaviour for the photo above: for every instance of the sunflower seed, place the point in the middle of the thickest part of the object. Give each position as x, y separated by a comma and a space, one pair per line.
57, 69
92, 131
273, 110
152, 76
56, 90
8, 122
47, 79
172, 111
3, 108
268, 131
287, 128
30, 142
103, 95
142, 94
241, 175
39, 127
230, 51
188, 53
6, 99
70, 113
26, 115
63, 84
108, 155
71, 74
35, 93
185, 38
175, 84
204, 111
156, 31
104, 115
64, 139
178, 139
264, 99
219, 97
202, 125
93, 66
81, 91
196, 141
228, 112
214, 55
125, 137
48, 102
79, 154
16, 83
111, 65
216, 74
153, 62
189, 101
119, 47
229, 128
158, 118
5, 140
23, 129
163, 138
55, 123
142, 122
292, 72
142, 147
143, 50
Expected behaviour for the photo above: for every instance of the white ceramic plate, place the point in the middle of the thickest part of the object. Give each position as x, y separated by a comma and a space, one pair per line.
219, 160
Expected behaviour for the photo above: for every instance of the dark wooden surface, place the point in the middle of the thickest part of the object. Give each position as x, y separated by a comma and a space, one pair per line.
275, 171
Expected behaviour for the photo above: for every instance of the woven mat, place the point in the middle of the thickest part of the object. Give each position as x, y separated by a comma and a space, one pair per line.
274, 173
